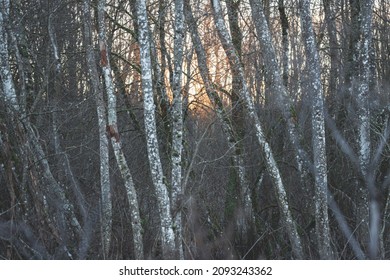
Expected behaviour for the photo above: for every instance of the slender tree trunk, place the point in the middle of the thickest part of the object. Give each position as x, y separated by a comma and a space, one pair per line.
285, 41
369, 201
238, 122
177, 127
236, 101
166, 64
318, 130
159, 73
357, 79
159, 182
106, 205
272, 168
113, 133
330, 18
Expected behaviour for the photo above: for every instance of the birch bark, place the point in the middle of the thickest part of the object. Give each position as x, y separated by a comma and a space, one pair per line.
318, 137
114, 136
358, 80
7, 83
369, 204
177, 127
167, 234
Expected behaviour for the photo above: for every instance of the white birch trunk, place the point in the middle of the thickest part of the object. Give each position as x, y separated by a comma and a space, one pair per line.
272, 168
167, 234
177, 127
318, 138
113, 133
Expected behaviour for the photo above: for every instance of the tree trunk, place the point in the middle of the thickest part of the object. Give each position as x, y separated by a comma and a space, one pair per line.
113, 133
285, 41
369, 204
159, 182
177, 127
106, 204
318, 130
330, 18
244, 218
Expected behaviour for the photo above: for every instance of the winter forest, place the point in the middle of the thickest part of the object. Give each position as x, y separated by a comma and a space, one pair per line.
194, 129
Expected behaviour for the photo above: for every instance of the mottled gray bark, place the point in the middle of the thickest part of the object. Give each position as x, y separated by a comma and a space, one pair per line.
318, 135
6, 76
357, 78
113, 133
159, 182
177, 128
362, 86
